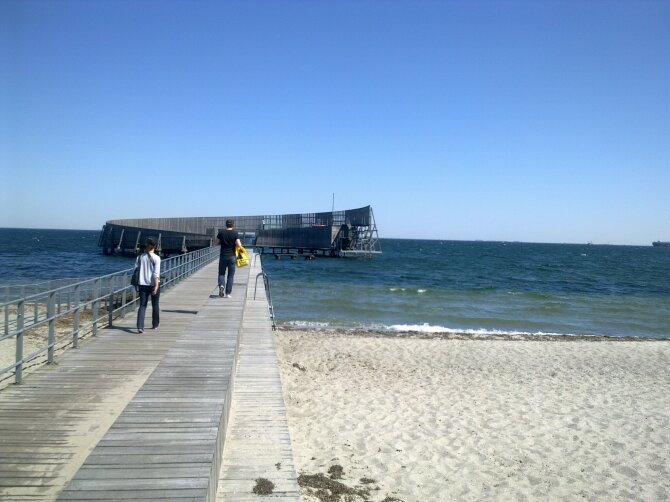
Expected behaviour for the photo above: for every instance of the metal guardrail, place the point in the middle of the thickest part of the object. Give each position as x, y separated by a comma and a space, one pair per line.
80, 308
11, 292
266, 283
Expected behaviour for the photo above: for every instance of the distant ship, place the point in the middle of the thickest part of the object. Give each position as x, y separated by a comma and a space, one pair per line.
660, 244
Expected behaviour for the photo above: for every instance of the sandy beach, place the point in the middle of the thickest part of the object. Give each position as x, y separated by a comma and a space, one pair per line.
417, 418
36, 339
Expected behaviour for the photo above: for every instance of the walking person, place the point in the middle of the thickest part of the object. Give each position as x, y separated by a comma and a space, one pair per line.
149, 285
230, 242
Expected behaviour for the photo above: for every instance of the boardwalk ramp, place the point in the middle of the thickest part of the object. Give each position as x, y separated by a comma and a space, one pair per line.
148, 417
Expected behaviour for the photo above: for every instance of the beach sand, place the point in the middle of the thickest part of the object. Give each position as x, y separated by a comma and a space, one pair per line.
418, 419
37, 339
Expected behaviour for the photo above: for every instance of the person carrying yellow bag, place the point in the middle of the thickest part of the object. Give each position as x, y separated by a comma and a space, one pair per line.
230, 243
242, 256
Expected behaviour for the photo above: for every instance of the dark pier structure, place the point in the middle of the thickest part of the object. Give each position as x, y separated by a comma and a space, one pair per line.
336, 233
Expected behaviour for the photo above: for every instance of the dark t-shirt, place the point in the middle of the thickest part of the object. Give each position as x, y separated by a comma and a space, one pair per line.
227, 239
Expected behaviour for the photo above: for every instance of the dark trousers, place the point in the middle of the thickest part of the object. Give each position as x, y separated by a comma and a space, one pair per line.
145, 294
227, 263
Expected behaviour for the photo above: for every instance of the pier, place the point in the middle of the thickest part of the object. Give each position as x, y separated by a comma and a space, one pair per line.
334, 233
191, 411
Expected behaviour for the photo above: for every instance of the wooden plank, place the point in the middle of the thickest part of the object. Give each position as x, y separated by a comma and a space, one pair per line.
257, 444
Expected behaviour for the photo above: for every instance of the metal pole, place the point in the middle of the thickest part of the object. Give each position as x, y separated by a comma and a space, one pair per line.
110, 309
110, 302
18, 371
96, 305
51, 315
124, 299
75, 321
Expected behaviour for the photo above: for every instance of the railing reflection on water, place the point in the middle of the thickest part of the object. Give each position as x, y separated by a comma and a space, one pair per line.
62, 316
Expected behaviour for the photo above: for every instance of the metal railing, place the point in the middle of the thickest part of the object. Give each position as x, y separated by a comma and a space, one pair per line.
62, 316
266, 284
11, 292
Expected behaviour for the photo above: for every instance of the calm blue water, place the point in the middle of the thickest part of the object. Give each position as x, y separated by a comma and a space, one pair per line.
481, 287
29, 256
430, 286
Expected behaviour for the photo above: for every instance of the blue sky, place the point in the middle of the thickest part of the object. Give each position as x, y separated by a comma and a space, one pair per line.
507, 120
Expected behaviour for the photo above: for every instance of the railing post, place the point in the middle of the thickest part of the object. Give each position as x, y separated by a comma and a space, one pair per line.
51, 315
75, 320
110, 302
96, 306
6, 307
124, 301
20, 312
168, 271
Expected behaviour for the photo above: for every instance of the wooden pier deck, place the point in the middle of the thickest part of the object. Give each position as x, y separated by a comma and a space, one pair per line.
192, 411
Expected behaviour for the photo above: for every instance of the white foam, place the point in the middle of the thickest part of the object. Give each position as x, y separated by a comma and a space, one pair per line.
427, 328
308, 324
418, 328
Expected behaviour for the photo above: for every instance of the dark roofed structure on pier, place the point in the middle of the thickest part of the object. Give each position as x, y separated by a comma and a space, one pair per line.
334, 233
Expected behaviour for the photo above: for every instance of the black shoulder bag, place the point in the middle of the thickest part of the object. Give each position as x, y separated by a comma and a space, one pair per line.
135, 279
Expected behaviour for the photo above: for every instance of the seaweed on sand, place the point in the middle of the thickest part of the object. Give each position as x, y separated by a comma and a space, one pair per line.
329, 490
263, 486
336, 471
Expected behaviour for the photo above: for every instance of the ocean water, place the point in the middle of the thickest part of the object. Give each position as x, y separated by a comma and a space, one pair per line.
480, 288
425, 286
29, 256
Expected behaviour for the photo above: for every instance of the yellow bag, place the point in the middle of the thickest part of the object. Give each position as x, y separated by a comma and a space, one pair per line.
242, 257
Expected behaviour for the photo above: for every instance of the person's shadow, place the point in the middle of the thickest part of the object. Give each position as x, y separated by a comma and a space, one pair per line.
134, 330
122, 328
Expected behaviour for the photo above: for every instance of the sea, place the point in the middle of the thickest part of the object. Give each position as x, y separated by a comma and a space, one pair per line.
419, 286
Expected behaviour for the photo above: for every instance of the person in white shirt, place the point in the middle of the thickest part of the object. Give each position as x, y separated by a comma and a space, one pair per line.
149, 285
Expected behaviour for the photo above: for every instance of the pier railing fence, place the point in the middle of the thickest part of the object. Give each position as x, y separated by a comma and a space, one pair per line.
59, 317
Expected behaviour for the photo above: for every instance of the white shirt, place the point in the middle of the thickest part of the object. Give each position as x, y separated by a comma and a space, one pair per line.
148, 270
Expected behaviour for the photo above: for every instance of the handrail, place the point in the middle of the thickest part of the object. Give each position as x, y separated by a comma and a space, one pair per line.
111, 293
266, 283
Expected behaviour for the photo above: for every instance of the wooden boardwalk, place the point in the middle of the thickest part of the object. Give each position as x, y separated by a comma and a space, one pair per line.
144, 417
258, 445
